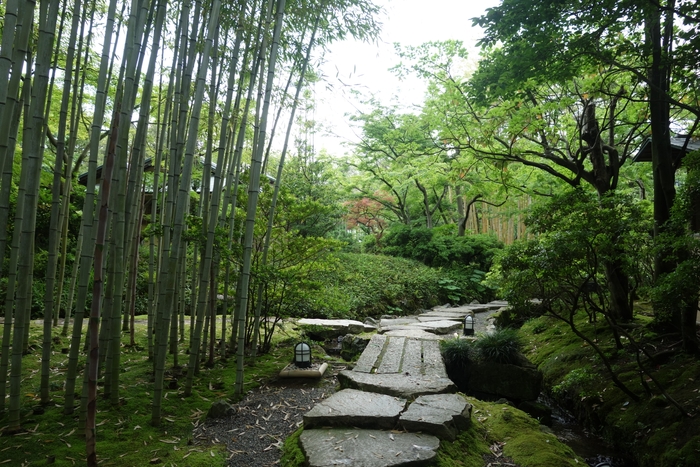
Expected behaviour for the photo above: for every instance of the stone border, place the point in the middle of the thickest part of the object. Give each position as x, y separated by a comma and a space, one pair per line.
288, 372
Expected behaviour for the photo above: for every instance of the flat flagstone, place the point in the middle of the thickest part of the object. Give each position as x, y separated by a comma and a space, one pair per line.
399, 385
351, 407
448, 316
442, 415
369, 356
367, 448
339, 326
398, 327
445, 314
417, 370
413, 333
441, 327
391, 358
384, 322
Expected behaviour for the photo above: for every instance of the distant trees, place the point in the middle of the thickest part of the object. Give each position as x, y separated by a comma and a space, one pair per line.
562, 98
651, 41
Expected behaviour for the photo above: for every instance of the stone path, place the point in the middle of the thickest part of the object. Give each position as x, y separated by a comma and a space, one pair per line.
397, 402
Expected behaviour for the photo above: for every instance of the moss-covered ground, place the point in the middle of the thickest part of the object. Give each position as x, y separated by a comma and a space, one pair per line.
125, 436
652, 430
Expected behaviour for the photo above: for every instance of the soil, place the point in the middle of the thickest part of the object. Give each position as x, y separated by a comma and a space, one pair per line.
266, 416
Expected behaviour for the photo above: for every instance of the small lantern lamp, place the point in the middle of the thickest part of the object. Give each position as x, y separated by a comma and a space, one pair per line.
469, 325
302, 355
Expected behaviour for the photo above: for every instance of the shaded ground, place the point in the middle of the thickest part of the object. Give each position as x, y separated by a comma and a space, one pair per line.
266, 416
254, 435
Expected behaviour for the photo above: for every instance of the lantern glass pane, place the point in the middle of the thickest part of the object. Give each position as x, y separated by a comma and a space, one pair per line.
302, 355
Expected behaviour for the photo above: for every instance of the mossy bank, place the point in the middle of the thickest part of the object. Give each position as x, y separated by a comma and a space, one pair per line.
662, 428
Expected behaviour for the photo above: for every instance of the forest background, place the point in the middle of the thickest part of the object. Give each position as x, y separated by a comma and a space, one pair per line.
139, 177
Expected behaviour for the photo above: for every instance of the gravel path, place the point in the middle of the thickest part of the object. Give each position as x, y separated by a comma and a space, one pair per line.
254, 435
265, 418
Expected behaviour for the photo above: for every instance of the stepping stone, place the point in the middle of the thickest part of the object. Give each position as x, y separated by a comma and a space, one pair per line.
385, 322
443, 415
441, 327
399, 385
438, 317
399, 366
350, 407
327, 328
412, 333
458, 315
367, 448
398, 327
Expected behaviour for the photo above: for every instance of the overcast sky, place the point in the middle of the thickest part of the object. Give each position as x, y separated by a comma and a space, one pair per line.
364, 67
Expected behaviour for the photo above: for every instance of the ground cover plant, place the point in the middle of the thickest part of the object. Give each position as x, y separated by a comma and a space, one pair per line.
362, 285
651, 429
125, 436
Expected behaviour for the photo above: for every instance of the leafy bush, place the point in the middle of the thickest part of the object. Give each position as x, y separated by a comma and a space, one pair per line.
502, 346
581, 240
675, 293
441, 247
362, 285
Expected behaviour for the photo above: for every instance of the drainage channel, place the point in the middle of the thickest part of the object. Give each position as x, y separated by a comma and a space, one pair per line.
587, 445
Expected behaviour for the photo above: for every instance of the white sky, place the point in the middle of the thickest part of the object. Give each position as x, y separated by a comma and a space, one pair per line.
364, 67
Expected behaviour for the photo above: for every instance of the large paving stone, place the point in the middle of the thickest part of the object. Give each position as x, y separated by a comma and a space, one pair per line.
440, 317
399, 385
351, 407
367, 448
444, 314
385, 322
412, 333
398, 327
328, 328
443, 415
441, 327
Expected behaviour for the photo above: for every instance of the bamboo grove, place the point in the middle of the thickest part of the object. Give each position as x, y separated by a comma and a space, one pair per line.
152, 102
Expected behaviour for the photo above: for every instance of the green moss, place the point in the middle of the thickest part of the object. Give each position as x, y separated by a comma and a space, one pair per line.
517, 433
292, 454
652, 429
125, 436
524, 441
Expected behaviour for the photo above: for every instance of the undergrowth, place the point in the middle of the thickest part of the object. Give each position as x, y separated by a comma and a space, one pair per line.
653, 430
125, 436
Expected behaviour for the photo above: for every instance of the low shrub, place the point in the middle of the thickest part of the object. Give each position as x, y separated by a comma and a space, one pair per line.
502, 346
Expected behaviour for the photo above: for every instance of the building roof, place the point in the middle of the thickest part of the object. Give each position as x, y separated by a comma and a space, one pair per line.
82, 178
678, 144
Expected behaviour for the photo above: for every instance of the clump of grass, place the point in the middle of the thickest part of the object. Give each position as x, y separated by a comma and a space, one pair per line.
502, 346
457, 353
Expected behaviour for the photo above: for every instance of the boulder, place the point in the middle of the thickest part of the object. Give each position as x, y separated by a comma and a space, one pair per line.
220, 409
538, 411
505, 380
351, 346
